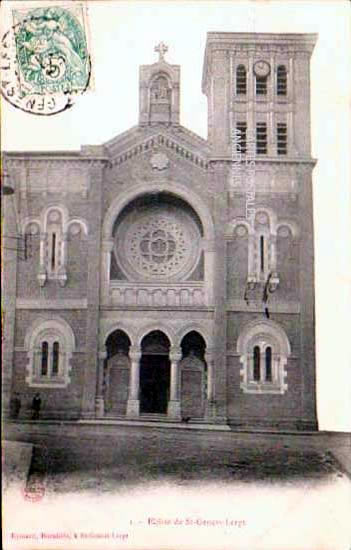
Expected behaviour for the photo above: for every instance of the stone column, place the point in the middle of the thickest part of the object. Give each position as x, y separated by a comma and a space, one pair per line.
210, 411
252, 268
209, 254
273, 252
174, 401
42, 266
106, 249
133, 404
99, 400
62, 274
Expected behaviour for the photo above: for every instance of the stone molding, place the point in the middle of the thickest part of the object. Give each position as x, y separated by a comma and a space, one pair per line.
51, 304
274, 307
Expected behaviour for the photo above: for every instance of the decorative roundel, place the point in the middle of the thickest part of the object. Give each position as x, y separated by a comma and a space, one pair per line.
262, 218
283, 231
241, 230
75, 229
262, 68
161, 244
54, 216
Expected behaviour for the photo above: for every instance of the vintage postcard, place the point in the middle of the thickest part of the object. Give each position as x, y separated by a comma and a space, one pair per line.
175, 185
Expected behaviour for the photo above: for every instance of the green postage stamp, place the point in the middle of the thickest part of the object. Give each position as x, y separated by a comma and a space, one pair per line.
45, 61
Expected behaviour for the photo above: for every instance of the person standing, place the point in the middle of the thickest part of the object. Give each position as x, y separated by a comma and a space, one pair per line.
15, 406
36, 405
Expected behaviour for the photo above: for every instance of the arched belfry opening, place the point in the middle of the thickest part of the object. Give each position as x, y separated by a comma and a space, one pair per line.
160, 98
159, 86
116, 373
193, 376
154, 373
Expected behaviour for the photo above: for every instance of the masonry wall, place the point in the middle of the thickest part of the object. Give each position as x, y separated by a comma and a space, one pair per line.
264, 409
56, 402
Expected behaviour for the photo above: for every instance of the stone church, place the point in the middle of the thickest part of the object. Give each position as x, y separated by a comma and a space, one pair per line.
162, 276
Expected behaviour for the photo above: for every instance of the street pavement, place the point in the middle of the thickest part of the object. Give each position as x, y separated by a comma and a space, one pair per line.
151, 487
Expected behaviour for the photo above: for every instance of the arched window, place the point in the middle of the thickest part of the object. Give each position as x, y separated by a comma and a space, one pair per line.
268, 364
257, 364
240, 80
53, 252
262, 262
261, 85
264, 350
282, 83
261, 138
44, 358
55, 358
49, 357
241, 128
49, 345
282, 138
56, 231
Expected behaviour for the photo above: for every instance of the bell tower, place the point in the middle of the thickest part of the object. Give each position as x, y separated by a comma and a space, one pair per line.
159, 91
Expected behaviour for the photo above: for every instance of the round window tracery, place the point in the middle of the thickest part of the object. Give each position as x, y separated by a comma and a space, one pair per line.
163, 243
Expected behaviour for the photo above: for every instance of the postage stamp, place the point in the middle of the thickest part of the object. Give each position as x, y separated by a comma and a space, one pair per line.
45, 61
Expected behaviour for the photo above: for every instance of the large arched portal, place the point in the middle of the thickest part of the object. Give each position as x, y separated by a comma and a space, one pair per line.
154, 373
116, 373
193, 373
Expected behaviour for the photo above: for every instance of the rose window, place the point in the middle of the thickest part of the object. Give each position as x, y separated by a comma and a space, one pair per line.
158, 244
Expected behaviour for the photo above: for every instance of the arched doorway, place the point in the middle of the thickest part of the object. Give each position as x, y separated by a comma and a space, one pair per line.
116, 373
193, 375
154, 373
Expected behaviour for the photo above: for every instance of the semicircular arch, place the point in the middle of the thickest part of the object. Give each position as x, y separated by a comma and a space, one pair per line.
172, 188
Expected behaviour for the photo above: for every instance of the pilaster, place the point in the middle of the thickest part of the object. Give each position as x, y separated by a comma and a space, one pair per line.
91, 370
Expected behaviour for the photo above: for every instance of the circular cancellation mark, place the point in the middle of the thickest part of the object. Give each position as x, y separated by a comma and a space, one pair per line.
44, 61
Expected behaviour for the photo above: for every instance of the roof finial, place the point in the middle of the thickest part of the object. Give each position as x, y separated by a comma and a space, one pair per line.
161, 49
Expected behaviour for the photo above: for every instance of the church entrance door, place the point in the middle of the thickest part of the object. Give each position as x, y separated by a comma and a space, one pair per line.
154, 373
154, 383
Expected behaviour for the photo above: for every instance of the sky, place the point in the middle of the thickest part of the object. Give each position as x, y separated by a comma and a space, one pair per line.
122, 36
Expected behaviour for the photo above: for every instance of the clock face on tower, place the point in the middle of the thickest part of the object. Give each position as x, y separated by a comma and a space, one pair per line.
262, 68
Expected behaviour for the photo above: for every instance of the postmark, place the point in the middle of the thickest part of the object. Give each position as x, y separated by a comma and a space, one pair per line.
45, 61
34, 490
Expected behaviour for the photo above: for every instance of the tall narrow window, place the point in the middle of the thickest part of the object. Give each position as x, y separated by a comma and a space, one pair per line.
282, 138
268, 364
241, 80
53, 251
55, 358
282, 83
241, 128
44, 358
262, 253
261, 138
256, 364
261, 85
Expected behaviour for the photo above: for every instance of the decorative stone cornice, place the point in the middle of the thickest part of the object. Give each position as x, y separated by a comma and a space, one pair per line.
154, 142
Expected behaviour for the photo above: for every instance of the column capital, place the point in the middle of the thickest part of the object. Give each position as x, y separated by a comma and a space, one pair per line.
102, 354
134, 353
175, 354
209, 354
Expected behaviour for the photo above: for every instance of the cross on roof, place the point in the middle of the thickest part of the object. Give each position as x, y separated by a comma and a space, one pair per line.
161, 48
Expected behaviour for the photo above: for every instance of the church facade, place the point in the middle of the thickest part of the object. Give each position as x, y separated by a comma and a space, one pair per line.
164, 276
